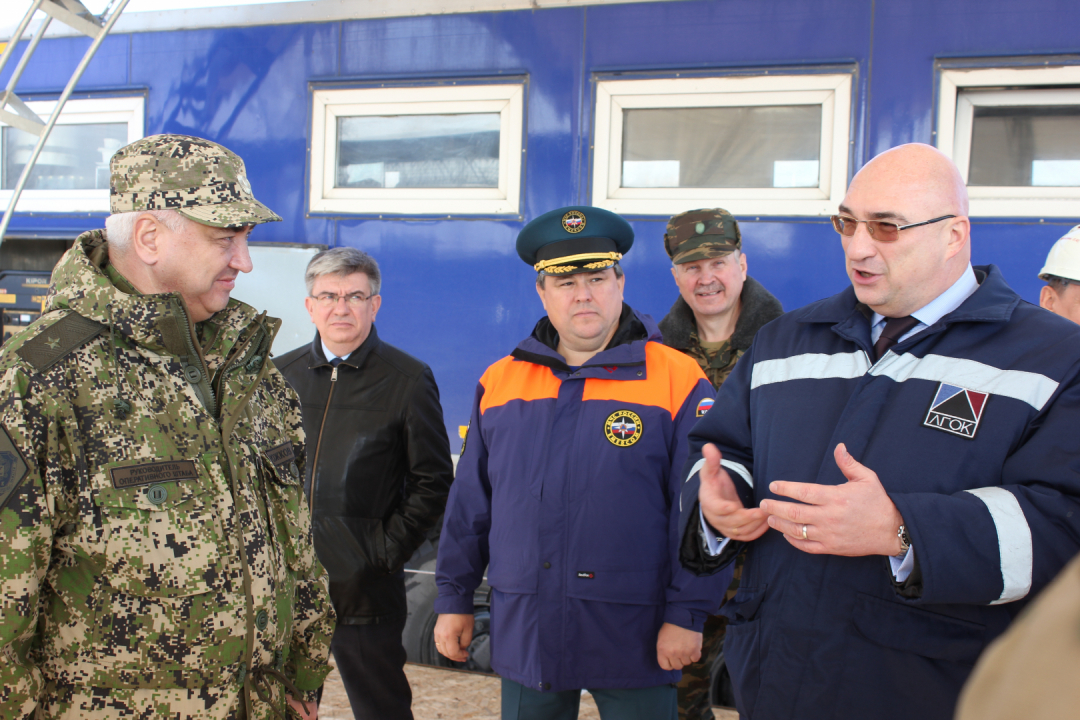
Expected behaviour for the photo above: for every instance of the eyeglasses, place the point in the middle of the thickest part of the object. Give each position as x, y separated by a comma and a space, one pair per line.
879, 229
328, 300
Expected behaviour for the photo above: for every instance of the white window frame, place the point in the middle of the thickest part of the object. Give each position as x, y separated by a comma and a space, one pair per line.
832, 92
130, 110
330, 104
954, 122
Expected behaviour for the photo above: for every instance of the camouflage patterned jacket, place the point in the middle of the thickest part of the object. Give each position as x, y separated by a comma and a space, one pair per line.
155, 551
680, 330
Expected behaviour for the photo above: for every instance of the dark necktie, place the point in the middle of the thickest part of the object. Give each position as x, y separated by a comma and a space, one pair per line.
894, 330
335, 362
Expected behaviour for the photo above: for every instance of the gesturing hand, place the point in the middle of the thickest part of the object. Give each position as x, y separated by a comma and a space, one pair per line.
853, 519
721, 505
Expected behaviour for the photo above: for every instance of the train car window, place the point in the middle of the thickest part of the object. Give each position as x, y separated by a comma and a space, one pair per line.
72, 171
759, 145
446, 150
1015, 135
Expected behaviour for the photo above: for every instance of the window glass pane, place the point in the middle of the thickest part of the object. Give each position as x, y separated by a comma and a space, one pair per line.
744, 147
419, 151
1025, 146
75, 157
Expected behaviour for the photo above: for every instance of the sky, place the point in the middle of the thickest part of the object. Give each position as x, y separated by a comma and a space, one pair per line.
12, 11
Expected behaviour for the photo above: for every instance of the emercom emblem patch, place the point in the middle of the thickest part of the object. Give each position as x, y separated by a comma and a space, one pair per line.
956, 410
623, 428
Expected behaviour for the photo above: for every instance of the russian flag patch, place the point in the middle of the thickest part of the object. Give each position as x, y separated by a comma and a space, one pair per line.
704, 406
956, 410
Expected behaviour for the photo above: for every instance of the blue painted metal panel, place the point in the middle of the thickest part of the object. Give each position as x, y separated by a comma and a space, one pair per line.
55, 61
456, 295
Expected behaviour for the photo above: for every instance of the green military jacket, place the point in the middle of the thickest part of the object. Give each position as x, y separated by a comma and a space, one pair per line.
680, 331
155, 546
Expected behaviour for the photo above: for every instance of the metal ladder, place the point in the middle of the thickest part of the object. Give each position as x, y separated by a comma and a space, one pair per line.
75, 15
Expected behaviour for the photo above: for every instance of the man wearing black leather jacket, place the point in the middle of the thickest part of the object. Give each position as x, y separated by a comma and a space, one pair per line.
379, 475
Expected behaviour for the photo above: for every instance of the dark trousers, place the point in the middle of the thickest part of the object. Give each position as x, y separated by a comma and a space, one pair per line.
371, 662
651, 703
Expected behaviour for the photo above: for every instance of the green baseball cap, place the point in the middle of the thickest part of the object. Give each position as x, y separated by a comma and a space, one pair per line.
199, 179
700, 234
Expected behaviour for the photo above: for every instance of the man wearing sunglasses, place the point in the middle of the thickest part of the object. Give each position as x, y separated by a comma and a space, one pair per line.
379, 475
898, 462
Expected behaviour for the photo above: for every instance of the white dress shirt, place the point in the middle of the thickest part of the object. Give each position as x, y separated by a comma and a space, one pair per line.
329, 355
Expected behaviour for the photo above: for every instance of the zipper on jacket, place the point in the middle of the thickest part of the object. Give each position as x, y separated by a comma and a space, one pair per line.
318, 443
241, 354
202, 388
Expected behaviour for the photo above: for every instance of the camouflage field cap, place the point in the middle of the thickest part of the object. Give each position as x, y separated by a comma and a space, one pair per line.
699, 234
201, 180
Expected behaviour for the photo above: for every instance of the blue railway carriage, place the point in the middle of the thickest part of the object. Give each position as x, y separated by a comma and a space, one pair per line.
428, 132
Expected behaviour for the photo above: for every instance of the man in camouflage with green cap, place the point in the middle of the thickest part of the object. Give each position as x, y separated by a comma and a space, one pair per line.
155, 551
719, 310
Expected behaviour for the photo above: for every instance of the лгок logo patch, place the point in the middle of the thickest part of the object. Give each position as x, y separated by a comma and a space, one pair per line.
956, 410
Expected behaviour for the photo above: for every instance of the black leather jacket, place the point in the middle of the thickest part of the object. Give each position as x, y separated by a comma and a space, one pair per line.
380, 467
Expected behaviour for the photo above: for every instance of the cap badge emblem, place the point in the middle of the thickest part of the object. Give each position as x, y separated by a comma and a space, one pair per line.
699, 228
244, 184
573, 221
623, 428
956, 410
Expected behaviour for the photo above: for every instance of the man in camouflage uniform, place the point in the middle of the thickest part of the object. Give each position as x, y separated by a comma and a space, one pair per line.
156, 555
719, 310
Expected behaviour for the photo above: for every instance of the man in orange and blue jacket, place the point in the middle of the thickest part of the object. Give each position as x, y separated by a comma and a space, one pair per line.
567, 492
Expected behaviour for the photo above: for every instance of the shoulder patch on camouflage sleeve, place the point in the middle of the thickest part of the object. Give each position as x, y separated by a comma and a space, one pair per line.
12, 467
52, 343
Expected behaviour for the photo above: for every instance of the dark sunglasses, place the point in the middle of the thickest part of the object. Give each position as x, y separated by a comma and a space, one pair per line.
879, 229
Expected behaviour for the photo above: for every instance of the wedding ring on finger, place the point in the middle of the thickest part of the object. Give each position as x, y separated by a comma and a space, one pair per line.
804, 532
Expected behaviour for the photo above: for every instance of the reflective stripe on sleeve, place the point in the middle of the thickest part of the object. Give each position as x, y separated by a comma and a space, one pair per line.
740, 469
697, 466
734, 466
1014, 541
1031, 388
811, 366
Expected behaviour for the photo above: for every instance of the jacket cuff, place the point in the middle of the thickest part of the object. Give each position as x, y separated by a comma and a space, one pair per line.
685, 618
308, 675
695, 557
454, 605
911, 587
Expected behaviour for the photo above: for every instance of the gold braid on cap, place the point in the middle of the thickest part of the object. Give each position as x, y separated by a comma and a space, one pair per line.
550, 264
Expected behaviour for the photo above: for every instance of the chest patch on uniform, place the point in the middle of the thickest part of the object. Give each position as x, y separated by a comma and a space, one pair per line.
704, 406
281, 455
956, 410
623, 428
153, 472
586, 575
12, 467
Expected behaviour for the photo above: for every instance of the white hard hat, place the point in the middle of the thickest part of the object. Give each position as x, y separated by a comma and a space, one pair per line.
1064, 258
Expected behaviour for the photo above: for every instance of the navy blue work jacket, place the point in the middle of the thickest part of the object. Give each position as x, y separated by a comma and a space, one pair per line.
568, 485
972, 426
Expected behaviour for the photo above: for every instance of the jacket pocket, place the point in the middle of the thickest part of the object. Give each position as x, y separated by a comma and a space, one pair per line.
628, 586
744, 606
917, 631
350, 548
163, 538
291, 524
742, 645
